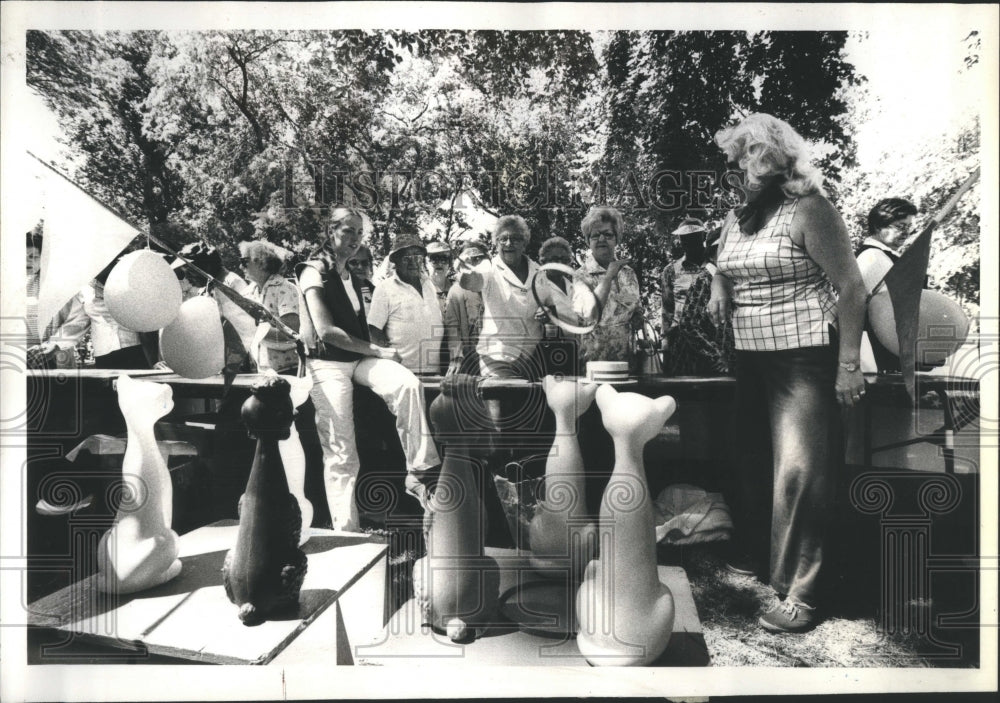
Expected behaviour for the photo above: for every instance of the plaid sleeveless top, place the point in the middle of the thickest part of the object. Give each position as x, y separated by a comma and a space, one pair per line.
782, 299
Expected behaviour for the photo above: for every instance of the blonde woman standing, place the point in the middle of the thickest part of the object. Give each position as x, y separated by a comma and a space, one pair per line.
789, 277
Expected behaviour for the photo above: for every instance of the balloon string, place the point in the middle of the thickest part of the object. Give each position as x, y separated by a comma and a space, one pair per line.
255, 310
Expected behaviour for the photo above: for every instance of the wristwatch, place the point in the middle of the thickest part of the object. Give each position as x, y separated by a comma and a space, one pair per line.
851, 366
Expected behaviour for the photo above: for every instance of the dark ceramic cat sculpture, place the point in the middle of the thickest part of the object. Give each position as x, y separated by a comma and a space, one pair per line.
263, 573
456, 584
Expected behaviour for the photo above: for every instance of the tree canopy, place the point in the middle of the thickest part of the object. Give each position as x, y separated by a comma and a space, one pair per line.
233, 135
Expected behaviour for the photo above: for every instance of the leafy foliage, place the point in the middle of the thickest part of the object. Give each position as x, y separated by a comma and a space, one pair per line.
235, 135
668, 93
96, 83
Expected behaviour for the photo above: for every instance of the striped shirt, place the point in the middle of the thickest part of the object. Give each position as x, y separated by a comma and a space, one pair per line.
782, 299
64, 330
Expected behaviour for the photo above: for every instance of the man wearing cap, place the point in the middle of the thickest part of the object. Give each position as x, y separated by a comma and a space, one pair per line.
439, 270
405, 313
679, 276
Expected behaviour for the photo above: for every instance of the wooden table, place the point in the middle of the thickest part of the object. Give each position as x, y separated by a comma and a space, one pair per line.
523, 635
191, 619
883, 390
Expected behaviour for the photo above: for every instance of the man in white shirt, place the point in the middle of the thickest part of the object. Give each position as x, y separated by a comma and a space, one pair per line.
405, 313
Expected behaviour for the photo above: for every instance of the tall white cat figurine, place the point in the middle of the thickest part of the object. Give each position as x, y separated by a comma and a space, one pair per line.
140, 550
625, 613
560, 534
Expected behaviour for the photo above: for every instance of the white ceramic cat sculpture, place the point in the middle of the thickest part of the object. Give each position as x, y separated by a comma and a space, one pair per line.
625, 613
140, 550
560, 534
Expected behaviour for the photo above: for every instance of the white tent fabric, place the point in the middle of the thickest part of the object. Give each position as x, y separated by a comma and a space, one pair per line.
81, 237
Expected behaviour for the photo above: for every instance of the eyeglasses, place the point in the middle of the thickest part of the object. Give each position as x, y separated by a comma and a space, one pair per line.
412, 258
602, 235
443, 259
511, 238
359, 263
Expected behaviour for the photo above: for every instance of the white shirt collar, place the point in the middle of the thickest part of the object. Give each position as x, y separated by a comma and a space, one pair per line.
424, 280
508, 273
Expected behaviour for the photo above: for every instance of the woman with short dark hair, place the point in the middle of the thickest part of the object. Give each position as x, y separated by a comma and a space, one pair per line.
889, 224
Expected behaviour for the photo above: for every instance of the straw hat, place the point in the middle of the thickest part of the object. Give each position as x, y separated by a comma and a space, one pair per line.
406, 241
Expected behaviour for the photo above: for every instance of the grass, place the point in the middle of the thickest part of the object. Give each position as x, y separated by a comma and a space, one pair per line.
729, 605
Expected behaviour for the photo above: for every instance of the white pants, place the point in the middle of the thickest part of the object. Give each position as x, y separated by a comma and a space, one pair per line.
333, 396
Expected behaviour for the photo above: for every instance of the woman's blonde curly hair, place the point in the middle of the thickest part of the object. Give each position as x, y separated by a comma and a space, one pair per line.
765, 146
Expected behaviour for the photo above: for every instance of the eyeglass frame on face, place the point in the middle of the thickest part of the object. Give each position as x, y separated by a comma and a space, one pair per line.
412, 258
511, 238
606, 236
359, 263
903, 225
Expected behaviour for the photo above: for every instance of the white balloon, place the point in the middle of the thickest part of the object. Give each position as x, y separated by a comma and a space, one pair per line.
193, 345
942, 326
142, 293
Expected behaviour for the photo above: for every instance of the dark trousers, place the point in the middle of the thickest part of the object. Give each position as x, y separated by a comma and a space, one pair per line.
126, 358
788, 453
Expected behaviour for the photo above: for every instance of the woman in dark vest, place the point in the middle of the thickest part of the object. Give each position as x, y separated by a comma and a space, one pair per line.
335, 331
889, 224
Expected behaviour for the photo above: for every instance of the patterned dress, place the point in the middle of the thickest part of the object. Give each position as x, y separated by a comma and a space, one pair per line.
609, 341
697, 346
